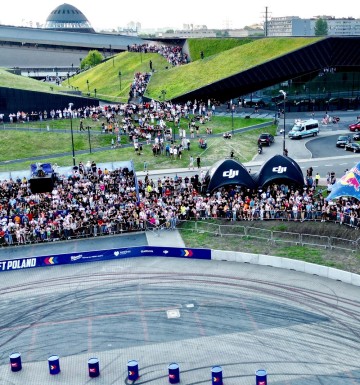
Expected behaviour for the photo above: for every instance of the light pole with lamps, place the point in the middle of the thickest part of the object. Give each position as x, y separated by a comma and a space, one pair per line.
284, 148
120, 79
88, 130
72, 133
232, 119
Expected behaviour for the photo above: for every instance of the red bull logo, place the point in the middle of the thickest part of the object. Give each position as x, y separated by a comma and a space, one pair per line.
172, 376
350, 179
14, 364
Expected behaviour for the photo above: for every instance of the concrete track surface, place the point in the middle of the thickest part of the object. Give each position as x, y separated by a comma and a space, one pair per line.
302, 329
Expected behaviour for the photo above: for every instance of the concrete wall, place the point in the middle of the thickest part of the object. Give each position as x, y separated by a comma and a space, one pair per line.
286, 263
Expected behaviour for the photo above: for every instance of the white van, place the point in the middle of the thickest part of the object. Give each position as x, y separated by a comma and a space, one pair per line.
303, 128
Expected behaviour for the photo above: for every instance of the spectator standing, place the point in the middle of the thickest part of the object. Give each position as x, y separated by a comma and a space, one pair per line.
198, 161
191, 163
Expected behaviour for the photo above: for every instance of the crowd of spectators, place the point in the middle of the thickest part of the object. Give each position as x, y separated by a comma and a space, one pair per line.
173, 54
92, 202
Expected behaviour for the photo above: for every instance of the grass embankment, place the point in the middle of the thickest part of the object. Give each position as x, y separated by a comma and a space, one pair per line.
22, 145
219, 62
106, 80
340, 259
213, 46
181, 80
9, 80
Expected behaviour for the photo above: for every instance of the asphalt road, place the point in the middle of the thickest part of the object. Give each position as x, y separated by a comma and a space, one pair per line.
302, 329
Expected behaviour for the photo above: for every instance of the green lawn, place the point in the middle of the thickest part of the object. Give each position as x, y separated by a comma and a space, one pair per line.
20, 145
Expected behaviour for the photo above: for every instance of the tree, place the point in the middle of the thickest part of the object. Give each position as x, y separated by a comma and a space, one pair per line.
92, 59
321, 27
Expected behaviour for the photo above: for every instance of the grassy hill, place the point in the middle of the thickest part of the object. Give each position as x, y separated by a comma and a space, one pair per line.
223, 58
180, 80
213, 46
105, 76
9, 80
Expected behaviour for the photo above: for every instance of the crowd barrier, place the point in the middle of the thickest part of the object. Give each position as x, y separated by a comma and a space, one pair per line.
103, 255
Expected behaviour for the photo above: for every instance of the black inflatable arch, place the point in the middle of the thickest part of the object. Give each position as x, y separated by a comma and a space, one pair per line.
228, 172
279, 169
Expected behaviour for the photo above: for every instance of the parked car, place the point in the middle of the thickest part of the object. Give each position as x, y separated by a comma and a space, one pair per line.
356, 136
266, 139
354, 147
355, 127
343, 140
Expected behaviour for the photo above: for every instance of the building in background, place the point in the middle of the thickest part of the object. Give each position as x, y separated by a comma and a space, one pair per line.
68, 18
295, 26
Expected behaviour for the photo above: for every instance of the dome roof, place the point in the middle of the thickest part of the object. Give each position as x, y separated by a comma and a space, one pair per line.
66, 17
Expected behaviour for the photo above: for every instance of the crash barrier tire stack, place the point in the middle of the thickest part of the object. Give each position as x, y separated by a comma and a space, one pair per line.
133, 370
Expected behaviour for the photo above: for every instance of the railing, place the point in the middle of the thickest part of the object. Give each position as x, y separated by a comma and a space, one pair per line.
235, 229
273, 236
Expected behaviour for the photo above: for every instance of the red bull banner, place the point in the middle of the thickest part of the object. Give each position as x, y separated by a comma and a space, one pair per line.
347, 186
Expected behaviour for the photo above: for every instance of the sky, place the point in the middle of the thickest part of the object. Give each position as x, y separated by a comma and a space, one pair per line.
157, 14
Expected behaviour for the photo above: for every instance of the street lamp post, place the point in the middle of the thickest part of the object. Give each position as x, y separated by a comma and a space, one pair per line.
120, 79
232, 119
112, 55
72, 133
88, 130
284, 148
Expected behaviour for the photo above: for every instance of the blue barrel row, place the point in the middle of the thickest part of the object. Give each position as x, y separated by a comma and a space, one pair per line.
133, 370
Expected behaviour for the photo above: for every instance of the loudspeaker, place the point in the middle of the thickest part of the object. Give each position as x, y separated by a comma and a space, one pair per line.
41, 185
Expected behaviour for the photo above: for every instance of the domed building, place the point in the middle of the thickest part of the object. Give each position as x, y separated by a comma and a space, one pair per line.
68, 18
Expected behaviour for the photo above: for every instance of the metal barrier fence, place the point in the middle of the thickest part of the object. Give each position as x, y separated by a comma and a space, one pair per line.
200, 226
273, 236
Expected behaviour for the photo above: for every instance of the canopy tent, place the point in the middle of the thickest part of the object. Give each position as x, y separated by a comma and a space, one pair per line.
279, 169
348, 185
228, 172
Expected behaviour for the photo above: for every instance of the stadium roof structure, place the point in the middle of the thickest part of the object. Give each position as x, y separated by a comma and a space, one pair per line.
66, 17
30, 36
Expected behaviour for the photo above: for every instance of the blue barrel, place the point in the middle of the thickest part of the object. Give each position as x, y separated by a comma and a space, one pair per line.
15, 362
94, 369
133, 370
174, 373
261, 377
216, 375
54, 364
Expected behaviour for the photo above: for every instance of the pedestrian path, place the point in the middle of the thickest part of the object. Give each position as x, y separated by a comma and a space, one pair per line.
164, 238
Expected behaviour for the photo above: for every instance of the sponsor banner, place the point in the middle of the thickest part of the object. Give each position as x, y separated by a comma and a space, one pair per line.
103, 255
